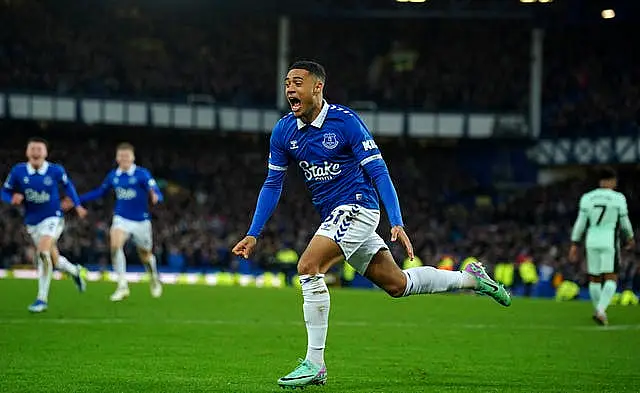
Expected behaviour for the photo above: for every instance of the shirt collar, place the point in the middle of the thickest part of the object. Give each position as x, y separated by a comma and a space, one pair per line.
41, 171
130, 172
318, 121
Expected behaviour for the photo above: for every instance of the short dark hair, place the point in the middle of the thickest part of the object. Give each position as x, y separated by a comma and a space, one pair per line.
607, 173
313, 67
125, 146
37, 139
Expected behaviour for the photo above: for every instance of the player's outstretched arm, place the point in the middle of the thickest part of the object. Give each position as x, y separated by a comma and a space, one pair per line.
625, 224
367, 152
269, 194
97, 193
9, 192
377, 170
152, 188
71, 192
267, 202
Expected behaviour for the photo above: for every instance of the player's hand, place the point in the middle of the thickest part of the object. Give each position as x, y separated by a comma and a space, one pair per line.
398, 232
573, 253
66, 204
17, 199
154, 198
81, 211
631, 244
245, 247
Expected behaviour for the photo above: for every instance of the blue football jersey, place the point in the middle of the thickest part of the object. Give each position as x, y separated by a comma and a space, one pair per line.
132, 192
40, 189
331, 152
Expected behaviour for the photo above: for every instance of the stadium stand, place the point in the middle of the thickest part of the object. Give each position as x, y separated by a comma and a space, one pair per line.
211, 193
120, 49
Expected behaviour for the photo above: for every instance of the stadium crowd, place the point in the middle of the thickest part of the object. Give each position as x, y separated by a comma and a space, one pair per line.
211, 185
128, 50
122, 49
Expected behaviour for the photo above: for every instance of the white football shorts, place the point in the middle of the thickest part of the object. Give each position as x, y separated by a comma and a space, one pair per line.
51, 226
140, 231
353, 228
602, 260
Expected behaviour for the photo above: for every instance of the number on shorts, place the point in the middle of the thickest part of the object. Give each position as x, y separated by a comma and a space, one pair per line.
603, 208
338, 215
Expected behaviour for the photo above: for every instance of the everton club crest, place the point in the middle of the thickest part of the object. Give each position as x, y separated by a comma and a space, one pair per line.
330, 141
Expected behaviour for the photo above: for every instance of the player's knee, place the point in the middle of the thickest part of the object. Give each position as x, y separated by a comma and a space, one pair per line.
144, 254
395, 290
306, 266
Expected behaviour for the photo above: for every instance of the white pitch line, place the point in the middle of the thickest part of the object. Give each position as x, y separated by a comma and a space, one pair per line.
120, 321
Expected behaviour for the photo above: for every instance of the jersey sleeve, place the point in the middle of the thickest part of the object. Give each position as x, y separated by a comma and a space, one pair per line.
278, 159
625, 223
272, 187
150, 184
98, 192
581, 221
10, 186
11, 182
361, 141
69, 187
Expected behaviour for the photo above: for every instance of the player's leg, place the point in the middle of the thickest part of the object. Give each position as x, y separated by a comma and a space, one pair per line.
595, 281
374, 261
150, 263
118, 236
45, 271
75, 271
142, 236
385, 273
44, 235
321, 253
60, 262
610, 263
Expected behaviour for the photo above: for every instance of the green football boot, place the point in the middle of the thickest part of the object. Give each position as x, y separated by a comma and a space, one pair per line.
487, 286
305, 374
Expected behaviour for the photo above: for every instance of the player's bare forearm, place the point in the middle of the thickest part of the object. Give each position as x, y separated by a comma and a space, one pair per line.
573, 253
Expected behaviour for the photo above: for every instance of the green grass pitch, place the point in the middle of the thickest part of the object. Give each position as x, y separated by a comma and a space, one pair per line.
213, 339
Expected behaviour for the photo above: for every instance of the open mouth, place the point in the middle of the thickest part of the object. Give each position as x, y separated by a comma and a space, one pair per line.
295, 104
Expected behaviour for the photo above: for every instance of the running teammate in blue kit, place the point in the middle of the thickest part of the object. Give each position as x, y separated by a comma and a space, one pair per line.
134, 187
345, 172
36, 184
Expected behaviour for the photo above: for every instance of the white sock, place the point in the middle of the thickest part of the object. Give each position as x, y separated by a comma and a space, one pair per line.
45, 271
152, 266
65, 266
120, 267
427, 279
316, 315
595, 290
608, 290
